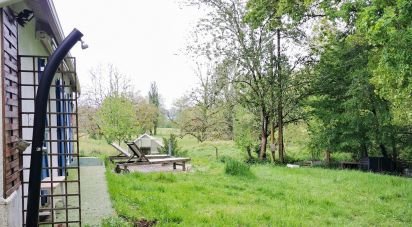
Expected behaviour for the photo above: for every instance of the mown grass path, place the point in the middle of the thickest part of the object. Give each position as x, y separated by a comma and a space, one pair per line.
96, 204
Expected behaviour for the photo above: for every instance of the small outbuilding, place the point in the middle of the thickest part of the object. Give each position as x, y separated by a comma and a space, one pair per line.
148, 144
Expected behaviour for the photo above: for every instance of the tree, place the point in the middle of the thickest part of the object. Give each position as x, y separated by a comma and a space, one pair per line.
260, 81
108, 81
351, 116
146, 115
154, 99
116, 119
386, 27
366, 59
203, 115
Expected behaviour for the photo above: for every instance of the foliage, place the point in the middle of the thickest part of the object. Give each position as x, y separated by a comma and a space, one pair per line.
351, 116
116, 119
246, 131
172, 143
206, 112
360, 104
266, 83
236, 168
87, 120
146, 115
386, 27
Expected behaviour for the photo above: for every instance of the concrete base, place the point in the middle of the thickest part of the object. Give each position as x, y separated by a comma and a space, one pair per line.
11, 211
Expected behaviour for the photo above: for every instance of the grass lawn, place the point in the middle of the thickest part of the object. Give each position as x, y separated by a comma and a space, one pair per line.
271, 196
275, 196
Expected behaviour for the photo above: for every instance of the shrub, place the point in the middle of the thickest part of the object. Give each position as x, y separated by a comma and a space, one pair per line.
237, 168
224, 158
172, 142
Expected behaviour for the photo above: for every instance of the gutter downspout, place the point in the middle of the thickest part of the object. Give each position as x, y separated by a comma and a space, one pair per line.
43, 90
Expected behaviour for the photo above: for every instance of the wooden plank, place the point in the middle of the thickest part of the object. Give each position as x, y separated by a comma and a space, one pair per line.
11, 76
9, 47
10, 61
10, 152
12, 30
12, 102
13, 164
10, 190
12, 139
14, 113
10, 37
13, 177
11, 25
11, 126
11, 33
12, 89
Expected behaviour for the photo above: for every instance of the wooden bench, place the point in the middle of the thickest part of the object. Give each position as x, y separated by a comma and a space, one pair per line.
174, 161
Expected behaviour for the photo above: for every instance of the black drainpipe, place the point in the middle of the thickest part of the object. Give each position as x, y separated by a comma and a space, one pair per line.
40, 108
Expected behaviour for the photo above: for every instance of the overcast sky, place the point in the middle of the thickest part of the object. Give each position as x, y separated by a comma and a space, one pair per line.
143, 39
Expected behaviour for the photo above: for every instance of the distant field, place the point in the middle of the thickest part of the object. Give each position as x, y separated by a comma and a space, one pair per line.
273, 196
296, 139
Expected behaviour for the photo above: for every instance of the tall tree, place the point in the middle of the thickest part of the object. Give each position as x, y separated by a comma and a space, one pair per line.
231, 33
154, 99
348, 114
226, 36
369, 54
386, 27
108, 81
286, 19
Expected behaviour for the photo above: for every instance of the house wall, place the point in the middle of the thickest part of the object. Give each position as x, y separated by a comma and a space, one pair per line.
11, 207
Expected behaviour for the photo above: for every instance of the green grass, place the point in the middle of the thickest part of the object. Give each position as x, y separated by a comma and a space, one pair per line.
269, 196
276, 196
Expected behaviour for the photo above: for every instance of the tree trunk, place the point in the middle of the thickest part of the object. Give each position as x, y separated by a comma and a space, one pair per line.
383, 150
264, 136
280, 104
272, 141
364, 150
249, 154
327, 157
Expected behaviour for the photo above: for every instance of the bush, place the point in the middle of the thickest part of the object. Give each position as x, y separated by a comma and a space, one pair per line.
224, 158
172, 142
236, 168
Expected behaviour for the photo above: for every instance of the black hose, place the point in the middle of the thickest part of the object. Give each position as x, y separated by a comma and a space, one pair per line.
40, 109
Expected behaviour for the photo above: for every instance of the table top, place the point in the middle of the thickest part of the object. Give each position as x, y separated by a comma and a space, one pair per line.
47, 184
